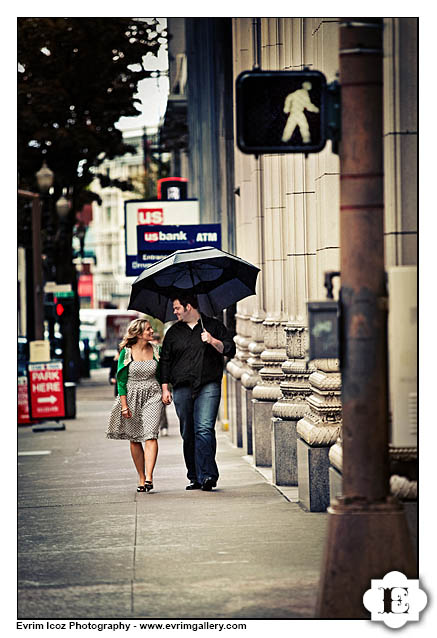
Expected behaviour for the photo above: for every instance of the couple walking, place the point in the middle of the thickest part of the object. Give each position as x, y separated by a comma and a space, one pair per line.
188, 369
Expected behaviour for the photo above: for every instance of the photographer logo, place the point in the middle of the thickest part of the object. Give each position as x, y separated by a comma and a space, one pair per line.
395, 600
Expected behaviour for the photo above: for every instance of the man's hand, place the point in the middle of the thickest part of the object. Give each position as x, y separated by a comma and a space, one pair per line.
166, 396
215, 343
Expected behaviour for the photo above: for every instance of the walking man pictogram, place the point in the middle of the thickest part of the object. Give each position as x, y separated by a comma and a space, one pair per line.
295, 104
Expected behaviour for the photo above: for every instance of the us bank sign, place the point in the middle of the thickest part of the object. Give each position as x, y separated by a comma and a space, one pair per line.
170, 238
152, 216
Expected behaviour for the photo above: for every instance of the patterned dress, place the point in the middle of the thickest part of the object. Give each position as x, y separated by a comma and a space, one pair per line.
144, 401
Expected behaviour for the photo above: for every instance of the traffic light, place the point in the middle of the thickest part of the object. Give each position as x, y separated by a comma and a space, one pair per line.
281, 111
62, 302
59, 309
49, 310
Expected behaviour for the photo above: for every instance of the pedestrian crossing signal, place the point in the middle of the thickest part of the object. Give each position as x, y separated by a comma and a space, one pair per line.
281, 111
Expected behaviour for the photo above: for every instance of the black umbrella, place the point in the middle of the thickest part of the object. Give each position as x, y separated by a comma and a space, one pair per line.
219, 279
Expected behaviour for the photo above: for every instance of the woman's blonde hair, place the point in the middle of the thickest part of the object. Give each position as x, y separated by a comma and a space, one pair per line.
134, 330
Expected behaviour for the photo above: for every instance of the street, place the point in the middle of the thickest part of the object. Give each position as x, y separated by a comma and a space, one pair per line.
91, 547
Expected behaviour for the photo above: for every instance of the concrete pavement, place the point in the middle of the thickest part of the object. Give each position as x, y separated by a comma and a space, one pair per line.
91, 547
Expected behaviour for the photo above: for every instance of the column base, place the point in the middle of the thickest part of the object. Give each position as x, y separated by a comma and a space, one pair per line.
261, 432
335, 484
284, 452
234, 390
363, 543
313, 476
246, 420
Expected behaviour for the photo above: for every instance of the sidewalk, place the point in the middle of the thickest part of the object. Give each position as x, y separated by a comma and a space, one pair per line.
91, 547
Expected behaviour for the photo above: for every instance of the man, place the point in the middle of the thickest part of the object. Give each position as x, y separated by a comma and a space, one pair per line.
192, 362
295, 104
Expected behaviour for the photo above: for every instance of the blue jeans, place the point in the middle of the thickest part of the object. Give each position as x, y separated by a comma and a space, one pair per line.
197, 417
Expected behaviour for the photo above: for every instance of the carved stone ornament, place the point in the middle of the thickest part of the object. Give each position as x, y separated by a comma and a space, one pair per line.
405, 454
250, 379
297, 341
235, 368
319, 434
403, 488
322, 423
336, 456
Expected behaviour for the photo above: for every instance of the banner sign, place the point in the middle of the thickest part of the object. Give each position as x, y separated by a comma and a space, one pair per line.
152, 239
153, 214
23, 400
46, 388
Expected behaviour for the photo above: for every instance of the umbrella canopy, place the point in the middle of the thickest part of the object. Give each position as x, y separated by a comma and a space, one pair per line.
219, 279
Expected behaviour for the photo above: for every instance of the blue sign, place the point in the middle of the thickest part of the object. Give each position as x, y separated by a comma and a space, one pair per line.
167, 239
135, 264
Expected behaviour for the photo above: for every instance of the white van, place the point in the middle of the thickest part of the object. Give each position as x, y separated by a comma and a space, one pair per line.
111, 324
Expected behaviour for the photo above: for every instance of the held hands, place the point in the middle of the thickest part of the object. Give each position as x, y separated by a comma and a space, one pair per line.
166, 397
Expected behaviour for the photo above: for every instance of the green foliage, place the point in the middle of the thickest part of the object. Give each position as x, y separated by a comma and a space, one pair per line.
76, 78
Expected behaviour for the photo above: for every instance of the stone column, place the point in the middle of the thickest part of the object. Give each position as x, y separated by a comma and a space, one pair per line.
335, 480
267, 391
317, 432
249, 378
237, 367
291, 406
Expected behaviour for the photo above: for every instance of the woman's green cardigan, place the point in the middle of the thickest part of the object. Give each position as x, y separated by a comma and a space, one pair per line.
124, 360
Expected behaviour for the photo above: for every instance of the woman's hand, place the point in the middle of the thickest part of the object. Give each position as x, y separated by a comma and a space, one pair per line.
126, 413
166, 397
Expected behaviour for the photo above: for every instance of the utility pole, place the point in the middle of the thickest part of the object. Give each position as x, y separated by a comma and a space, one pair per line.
367, 530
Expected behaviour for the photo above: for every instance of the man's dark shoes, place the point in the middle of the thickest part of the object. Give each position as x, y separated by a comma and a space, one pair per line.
208, 484
194, 485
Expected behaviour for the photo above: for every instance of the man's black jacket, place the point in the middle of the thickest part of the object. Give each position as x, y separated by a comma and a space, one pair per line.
187, 360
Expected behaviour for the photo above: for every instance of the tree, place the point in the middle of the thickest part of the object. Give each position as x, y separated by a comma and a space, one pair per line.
77, 77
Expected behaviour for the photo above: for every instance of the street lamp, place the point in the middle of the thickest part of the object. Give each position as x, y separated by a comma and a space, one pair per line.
45, 178
62, 208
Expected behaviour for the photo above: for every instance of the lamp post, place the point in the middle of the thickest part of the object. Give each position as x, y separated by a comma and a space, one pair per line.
41, 213
45, 180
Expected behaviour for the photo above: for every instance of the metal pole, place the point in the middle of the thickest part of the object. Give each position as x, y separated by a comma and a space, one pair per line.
363, 295
367, 530
256, 39
38, 292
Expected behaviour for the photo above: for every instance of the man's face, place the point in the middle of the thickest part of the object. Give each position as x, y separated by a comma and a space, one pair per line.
181, 312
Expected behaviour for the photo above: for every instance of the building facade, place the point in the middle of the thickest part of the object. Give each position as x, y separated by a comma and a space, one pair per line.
282, 213
106, 231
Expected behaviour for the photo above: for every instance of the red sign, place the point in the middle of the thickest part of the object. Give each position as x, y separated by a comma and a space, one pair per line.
23, 401
150, 216
85, 287
46, 386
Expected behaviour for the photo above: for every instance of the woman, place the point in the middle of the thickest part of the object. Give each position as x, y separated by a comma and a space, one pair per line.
136, 413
